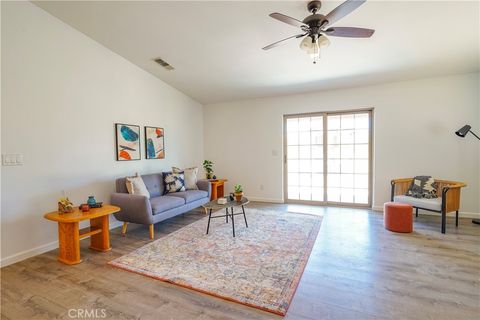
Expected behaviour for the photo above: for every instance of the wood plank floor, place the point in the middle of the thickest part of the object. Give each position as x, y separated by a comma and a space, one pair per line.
357, 270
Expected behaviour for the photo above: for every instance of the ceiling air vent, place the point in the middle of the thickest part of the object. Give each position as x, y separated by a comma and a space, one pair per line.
164, 64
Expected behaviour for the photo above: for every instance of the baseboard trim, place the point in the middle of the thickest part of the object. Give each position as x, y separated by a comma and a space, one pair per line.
461, 214
17, 257
268, 200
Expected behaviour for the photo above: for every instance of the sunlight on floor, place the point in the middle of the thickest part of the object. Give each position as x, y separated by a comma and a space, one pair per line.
306, 209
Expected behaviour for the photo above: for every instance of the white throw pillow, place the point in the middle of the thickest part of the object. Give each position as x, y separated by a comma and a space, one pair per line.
190, 177
135, 185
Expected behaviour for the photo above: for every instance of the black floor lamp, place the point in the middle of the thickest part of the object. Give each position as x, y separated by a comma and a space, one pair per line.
462, 132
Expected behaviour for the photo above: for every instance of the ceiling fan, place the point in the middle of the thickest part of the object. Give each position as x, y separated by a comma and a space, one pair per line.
316, 27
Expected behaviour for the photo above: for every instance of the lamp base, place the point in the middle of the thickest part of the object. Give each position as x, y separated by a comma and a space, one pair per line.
476, 221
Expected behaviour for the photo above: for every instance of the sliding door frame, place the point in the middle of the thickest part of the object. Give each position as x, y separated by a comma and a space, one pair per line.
325, 115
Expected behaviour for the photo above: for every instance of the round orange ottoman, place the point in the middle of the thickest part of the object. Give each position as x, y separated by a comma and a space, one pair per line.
397, 217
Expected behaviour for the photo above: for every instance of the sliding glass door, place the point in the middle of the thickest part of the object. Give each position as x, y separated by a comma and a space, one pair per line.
328, 158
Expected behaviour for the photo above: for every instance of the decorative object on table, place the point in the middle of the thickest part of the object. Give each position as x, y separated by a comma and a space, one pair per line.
65, 205
127, 140
69, 234
154, 143
208, 167
265, 279
462, 132
96, 205
214, 177
190, 177
91, 200
449, 200
84, 207
231, 196
174, 182
222, 200
238, 192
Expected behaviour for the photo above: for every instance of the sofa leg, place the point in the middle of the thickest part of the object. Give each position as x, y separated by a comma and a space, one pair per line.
124, 228
456, 218
150, 228
444, 220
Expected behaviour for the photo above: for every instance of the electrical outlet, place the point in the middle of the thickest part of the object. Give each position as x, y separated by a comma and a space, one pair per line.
12, 159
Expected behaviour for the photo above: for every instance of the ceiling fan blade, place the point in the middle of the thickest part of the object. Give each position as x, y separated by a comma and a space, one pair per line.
270, 46
286, 19
349, 32
342, 10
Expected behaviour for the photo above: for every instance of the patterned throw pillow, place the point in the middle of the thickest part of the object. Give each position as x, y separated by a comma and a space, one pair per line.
135, 185
174, 182
423, 187
190, 177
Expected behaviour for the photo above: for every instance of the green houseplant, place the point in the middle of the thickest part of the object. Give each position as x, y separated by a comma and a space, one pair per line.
238, 192
208, 167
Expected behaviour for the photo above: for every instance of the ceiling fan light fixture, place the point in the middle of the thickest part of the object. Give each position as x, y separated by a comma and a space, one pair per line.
312, 46
316, 26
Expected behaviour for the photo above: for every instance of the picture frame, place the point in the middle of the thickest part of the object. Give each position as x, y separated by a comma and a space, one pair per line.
154, 143
127, 142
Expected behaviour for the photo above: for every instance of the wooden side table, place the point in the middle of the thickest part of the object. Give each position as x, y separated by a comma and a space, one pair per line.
69, 235
218, 188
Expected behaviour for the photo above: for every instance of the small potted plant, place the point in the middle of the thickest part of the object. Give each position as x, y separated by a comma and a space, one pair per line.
208, 167
238, 192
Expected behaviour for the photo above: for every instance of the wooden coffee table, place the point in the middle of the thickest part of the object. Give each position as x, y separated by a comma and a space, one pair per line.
213, 205
69, 235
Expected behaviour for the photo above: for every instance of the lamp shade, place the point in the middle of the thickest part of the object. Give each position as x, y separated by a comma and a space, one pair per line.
462, 132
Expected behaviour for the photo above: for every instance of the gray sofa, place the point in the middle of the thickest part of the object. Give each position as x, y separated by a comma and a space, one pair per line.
140, 209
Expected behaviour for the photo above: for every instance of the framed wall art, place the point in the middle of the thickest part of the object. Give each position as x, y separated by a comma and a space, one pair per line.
154, 143
127, 140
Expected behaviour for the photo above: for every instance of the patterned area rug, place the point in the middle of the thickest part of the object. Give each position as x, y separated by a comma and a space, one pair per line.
260, 267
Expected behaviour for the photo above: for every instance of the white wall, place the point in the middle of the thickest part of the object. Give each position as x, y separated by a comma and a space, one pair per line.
414, 125
61, 95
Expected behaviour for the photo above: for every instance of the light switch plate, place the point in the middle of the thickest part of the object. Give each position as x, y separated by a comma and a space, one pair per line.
12, 159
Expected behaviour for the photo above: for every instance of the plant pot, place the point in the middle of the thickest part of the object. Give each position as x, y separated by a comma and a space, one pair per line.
238, 196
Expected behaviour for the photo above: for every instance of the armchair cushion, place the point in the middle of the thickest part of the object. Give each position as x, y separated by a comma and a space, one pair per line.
164, 203
422, 187
190, 195
431, 204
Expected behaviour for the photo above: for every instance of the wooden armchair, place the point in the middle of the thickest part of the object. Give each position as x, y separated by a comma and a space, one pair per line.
448, 201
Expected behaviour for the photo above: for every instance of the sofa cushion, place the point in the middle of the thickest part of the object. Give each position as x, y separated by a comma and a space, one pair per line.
190, 195
164, 203
154, 183
431, 204
174, 182
135, 185
190, 177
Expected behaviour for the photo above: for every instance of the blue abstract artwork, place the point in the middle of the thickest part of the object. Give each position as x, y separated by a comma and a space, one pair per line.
154, 143
127, 142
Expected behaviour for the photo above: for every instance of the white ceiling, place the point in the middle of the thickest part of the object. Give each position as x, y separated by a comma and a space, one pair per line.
215, 47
